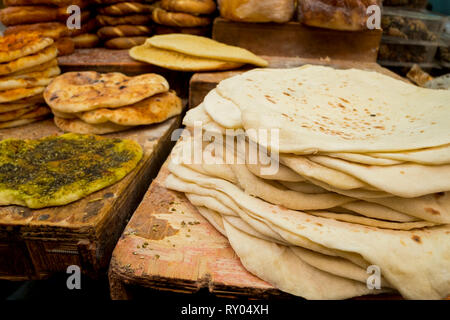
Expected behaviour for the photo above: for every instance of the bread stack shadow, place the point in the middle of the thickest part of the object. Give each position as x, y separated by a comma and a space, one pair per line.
27, 65
49, 18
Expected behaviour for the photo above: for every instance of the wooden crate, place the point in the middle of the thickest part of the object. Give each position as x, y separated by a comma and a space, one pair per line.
37, 243
294, 39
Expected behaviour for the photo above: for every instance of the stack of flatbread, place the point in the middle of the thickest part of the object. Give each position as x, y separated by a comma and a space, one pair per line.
27, 65
328, 183
124, 24
51, 18
185, 52
91, 102
184, 16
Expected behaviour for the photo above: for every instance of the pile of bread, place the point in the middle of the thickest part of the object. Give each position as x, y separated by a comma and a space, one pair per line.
27, 65
184, 16
94, 103
329, 184
49, 17
186, 52
124, 24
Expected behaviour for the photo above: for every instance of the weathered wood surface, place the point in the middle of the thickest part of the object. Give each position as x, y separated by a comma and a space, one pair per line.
202, 83
35, 243
293, 39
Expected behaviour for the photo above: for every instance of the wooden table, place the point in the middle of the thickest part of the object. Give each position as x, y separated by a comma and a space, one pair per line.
36, 243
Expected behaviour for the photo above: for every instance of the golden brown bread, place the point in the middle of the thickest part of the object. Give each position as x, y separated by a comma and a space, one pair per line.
124, 42
54, 30
178, 19
110, 32
21, 44
86, 27
197, 31
189, 6
126, 8
136, 19
86, 40
57, 3
65, 46
338, 15
32, 14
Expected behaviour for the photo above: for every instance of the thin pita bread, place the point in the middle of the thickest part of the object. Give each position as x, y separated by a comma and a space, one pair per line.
29, 61
78, 126
33, 79
20, 93
15, 46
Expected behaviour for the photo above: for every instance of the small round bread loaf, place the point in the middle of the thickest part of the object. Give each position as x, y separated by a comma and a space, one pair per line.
124, 42
178, 19
86, 40
189, 6
65, 46
110, 32
137, 19
126, 8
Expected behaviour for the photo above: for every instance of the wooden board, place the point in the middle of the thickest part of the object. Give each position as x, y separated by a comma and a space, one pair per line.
293, 39
201, 83
108, 60
35, 243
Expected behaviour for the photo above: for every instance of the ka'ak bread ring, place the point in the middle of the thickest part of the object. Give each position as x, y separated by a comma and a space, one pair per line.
54, 30
58, 3
178, 19
86, 40
65, 46
126, 8
32, 14
123, 31
86, 27
124, 42
107, 2
136, 19
189, 6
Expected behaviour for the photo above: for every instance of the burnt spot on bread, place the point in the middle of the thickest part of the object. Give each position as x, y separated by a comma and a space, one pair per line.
122, 87
416, 238
432, 211
53, 97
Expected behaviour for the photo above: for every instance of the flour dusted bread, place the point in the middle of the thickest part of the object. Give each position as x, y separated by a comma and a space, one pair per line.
79, 91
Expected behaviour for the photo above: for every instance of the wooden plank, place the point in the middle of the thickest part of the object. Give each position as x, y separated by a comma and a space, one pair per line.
84, 232
294, 39
201, 83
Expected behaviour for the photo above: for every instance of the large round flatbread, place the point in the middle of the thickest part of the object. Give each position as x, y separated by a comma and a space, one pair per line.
319, 108
38, 68
83, 91
78, 126
155, 109
33, 79
29, 61
203, 47
15, 46
177, 61
20, 93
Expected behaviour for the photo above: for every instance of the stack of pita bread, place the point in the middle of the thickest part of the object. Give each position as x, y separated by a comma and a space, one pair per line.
27, 65
361, 179
49, 17
185, 52
124, 24
94, 103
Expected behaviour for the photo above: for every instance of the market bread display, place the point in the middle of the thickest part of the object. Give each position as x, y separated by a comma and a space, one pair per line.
314, 174
179, 19
196, 7
109, 32
90, 102
185, 52
279, 11
27, 65
126, 8
338, 15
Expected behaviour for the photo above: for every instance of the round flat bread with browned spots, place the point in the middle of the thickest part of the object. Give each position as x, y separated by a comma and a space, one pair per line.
27, 80
20, 93
74, 92
78, 126
151, 110
29, 61
17, 45
40, 67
